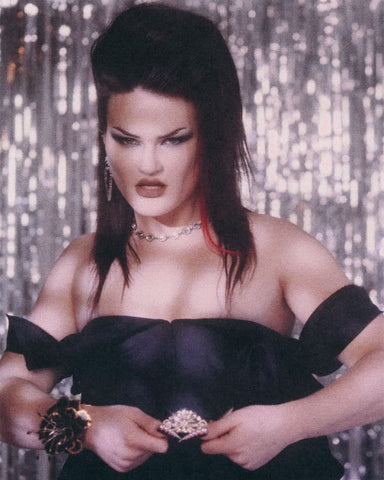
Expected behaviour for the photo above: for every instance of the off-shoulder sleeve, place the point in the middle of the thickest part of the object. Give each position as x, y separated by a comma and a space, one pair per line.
40, 349
333, 325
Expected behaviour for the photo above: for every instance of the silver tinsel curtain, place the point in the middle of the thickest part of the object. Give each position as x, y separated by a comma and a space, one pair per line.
312, 77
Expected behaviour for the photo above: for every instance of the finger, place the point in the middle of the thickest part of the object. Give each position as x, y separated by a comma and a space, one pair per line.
139, 416
152, 427
124, 458
227, 413
122, 464
135, 457
157, 433
147, 423
218, 446
148, 443
218, 428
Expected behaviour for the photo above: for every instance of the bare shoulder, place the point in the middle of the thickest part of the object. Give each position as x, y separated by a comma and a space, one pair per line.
54, 309
80, 246
275, 232
307, 271
73, 257
265, 224
285, 238
269, 224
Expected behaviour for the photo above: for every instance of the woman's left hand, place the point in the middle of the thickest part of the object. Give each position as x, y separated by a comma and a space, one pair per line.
250, 436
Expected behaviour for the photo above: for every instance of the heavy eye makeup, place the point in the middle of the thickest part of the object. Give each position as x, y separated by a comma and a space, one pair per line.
124, 140
133, 141
179, 139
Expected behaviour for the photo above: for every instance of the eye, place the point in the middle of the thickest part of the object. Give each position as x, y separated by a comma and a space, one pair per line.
178, 140
123, 140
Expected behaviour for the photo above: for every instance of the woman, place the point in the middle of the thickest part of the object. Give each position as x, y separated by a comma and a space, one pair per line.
175, 316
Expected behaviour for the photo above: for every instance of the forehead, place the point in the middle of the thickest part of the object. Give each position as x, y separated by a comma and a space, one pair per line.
142, 106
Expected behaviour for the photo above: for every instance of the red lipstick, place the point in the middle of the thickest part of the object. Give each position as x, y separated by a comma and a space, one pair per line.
150, 188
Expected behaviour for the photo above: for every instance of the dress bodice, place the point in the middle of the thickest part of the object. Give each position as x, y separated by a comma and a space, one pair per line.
207, 365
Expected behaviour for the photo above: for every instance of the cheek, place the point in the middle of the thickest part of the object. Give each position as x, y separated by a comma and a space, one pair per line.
118, 168
123, 178
189, 177
121, 164
192, 165
116, 171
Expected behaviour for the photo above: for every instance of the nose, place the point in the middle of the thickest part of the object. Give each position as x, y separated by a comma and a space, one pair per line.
149, 162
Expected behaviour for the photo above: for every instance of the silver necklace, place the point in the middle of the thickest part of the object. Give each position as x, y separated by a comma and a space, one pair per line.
163, 238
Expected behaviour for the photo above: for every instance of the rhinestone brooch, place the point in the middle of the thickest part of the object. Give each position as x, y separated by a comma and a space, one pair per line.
184, 425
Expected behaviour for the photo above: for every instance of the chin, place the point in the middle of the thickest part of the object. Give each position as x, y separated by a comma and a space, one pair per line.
164, 205
152, 208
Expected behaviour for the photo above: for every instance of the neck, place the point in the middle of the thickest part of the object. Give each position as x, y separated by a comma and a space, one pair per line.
167, 224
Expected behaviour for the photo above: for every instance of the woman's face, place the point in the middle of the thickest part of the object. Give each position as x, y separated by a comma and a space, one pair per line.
153, 145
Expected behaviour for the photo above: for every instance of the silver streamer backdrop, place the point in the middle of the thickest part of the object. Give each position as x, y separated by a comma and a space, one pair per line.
312, 78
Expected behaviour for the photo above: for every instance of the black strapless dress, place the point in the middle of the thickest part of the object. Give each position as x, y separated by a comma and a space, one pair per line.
207, 365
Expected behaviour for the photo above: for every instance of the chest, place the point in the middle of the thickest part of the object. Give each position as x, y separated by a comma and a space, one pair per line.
168, 285
175, 284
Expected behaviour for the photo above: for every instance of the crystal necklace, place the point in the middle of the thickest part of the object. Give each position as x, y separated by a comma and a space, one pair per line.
163, 238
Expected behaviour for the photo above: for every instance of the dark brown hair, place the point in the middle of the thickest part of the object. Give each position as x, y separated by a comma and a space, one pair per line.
182, 54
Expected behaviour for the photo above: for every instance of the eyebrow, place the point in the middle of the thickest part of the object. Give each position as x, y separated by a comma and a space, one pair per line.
162, 137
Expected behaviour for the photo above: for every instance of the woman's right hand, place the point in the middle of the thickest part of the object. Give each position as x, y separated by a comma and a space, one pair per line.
123, 437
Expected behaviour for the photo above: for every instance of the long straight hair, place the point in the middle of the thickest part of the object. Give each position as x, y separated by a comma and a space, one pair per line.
181, 54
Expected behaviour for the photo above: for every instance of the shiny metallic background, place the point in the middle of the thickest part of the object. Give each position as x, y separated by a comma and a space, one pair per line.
313, 85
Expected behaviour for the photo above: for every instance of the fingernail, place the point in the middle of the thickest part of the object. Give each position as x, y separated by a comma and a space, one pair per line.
228, 412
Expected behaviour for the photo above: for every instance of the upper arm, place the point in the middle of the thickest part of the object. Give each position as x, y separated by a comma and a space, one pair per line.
54, 309
308, 272
309, 276
53, 312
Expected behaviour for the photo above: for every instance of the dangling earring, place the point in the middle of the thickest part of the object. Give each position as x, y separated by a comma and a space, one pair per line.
108, 179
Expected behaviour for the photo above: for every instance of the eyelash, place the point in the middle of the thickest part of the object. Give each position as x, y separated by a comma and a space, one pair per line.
129, 141
179, 140
124, 140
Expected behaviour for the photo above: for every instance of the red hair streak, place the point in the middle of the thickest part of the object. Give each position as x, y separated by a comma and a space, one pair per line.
207, 234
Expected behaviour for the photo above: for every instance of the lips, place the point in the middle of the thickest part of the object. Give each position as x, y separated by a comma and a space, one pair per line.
150, 188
